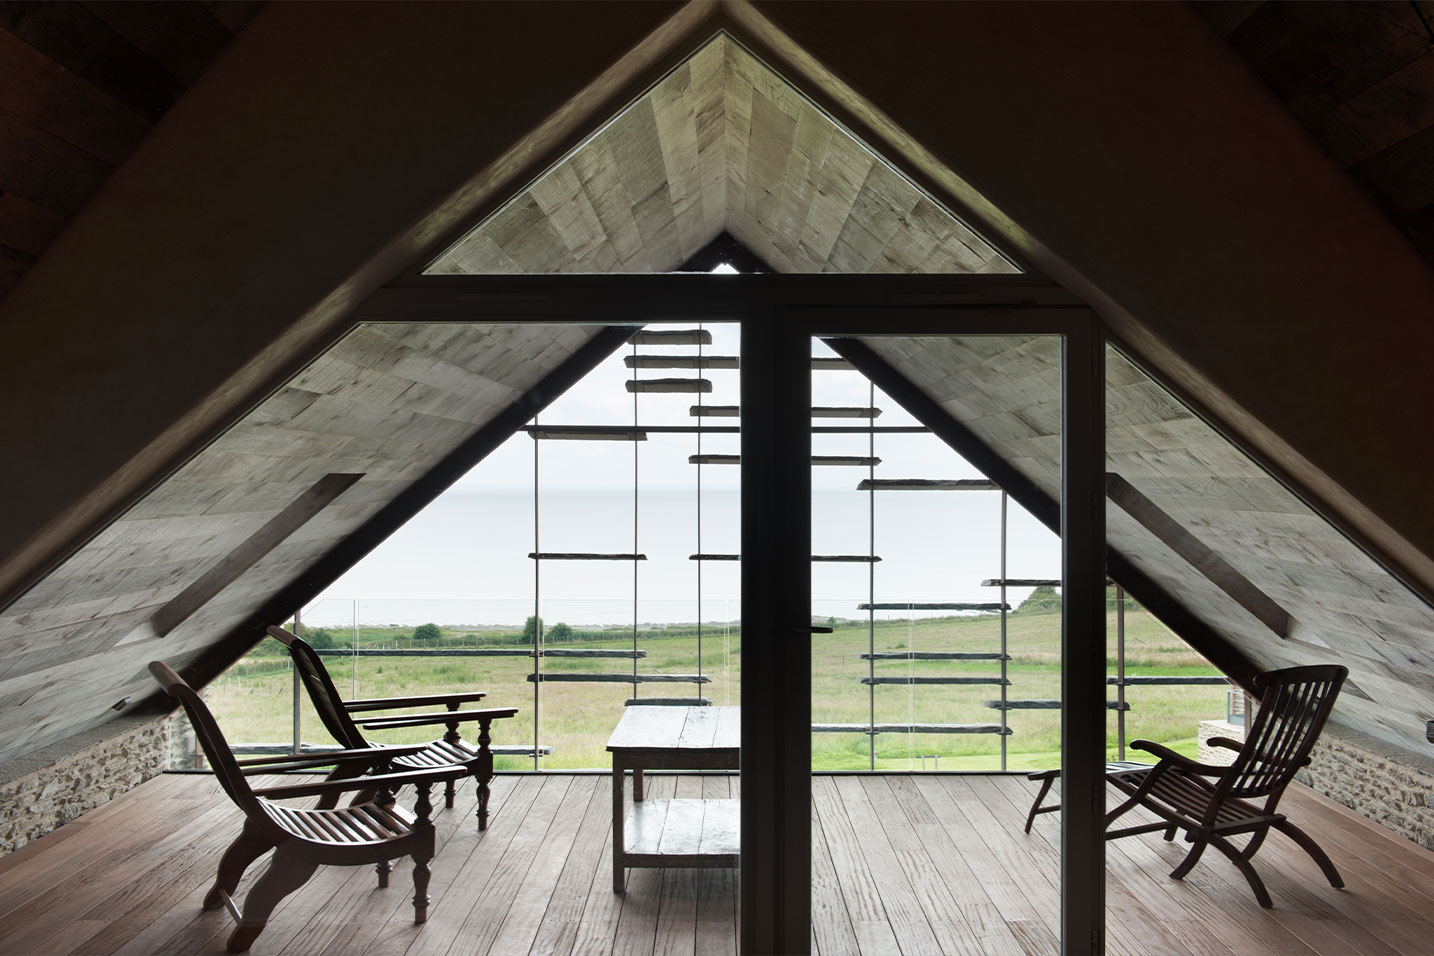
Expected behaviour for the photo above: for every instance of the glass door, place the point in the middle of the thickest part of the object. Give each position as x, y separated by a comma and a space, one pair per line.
912, 672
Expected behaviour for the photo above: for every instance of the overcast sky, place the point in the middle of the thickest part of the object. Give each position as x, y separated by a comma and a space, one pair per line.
473, 543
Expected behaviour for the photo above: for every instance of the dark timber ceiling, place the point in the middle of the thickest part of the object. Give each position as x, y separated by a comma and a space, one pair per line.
1360, 78
81, 85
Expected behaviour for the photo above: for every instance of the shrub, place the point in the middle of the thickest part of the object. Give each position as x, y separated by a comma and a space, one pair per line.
319, 638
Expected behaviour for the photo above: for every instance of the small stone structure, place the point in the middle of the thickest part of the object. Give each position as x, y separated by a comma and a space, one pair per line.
1218, 756
48, 788
1385, 782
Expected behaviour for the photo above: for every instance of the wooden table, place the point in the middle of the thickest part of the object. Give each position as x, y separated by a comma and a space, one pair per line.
673, 832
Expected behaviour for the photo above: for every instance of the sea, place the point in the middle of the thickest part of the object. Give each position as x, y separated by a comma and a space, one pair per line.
464, 560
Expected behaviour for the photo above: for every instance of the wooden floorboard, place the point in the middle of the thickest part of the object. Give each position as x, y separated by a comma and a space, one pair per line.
901, 865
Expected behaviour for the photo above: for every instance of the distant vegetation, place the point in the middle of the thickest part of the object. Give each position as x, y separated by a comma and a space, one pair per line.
252, 700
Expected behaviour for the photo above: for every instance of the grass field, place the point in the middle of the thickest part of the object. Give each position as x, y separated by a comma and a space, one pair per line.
253, 700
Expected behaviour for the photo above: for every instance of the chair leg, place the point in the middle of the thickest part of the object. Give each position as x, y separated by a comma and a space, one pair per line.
1115, 814
1313, 849
1191, 858
1257, 840
1040, 796
284, 875
245, 849
420, 889
383, 868
1236, 857
483, 793
485, 769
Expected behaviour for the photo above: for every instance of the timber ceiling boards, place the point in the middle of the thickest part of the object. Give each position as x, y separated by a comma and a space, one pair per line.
81, 85
1360, 78
253, 512
721, 145
1341, 606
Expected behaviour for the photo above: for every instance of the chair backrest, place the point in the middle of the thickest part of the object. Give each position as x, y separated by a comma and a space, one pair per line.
322, 692
1294, 704
216, 748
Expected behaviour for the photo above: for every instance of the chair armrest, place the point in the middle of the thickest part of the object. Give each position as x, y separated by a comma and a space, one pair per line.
1237, 745
369, 755
424, 720
393, 703
1168, 756
390, 781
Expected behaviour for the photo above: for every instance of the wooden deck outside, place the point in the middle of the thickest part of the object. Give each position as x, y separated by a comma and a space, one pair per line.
903, 864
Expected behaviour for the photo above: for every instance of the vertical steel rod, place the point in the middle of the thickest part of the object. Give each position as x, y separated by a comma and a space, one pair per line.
1083, 641
298, 632
1004, 652
537, 604
1120, 672
699, 691
871, 581
634, 526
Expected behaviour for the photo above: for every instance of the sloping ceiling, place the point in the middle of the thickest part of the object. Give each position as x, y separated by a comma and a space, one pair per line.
1295, 590
721, 144
253, 512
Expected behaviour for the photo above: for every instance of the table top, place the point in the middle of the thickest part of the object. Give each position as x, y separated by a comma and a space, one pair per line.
678, 728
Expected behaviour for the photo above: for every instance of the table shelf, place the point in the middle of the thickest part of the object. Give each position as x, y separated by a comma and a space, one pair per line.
683, 833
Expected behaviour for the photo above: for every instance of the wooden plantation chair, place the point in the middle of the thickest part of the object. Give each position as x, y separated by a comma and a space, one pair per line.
451, 749
371, 831
1212, 804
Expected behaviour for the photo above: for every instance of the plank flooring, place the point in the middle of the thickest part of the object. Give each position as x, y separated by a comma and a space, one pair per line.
901, 865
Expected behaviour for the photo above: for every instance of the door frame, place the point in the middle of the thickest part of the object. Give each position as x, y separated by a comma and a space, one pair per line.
776, 602
779, 314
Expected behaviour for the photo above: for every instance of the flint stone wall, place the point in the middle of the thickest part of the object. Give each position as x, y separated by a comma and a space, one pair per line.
44, 790
1390, 785
1217, 756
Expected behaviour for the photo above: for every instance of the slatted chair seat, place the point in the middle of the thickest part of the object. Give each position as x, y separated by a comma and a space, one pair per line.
1189, 796
336, 715
438, 753
365, 823
372, 829
1211, 803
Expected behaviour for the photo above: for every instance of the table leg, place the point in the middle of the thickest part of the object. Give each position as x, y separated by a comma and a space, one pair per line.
619, 844
636, 784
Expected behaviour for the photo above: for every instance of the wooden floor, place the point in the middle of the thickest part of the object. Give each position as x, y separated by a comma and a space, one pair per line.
903, 864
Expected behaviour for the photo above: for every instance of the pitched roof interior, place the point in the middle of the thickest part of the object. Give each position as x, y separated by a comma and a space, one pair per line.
722, 144
719, 145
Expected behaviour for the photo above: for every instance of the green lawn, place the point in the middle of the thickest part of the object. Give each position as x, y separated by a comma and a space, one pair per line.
253, 700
